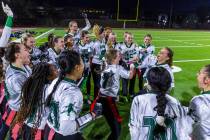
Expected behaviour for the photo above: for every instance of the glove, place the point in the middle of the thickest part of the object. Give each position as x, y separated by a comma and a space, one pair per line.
7, 10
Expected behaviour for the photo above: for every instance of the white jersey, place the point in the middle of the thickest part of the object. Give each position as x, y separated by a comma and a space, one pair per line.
143, 119
14, 80
35, 55
167, 67
33, 118
110, 80
145, 50
128, 52
99, 50
65, 107
86, 52
53, 55
6, 32
199, 110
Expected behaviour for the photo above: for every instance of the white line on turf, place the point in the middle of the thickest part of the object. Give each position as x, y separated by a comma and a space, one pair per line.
180, 41
204, 46
195, 60
45, 33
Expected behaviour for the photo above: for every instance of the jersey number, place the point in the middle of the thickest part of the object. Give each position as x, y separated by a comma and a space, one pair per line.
150, 122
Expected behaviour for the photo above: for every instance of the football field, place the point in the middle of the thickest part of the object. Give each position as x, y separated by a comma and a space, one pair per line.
191, 52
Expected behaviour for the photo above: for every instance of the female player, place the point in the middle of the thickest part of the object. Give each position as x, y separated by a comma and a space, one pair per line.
110, 85
157, 115
65, 100
32, 115
199, 106
16, 74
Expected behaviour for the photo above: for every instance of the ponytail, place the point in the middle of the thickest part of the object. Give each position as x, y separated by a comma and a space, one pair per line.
160, 81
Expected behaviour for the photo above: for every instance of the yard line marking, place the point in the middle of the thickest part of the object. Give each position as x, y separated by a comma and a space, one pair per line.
204, 46
45, 33
195, 60
182, 41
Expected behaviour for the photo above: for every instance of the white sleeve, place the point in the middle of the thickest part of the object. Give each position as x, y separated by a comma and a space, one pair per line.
151, 50
123, 72
195, 110
88, 25
134, 122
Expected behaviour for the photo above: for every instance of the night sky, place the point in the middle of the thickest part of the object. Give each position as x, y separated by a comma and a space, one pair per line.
145, 4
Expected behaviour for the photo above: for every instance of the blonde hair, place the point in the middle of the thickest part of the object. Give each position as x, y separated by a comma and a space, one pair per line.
96, 30
70, 24
111, 55
25, 37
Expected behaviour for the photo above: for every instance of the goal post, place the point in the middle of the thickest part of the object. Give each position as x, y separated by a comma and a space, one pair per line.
124, 19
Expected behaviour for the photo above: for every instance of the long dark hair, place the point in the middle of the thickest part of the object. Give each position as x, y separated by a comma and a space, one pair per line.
32, 93
160, 81
170, 55
67, 61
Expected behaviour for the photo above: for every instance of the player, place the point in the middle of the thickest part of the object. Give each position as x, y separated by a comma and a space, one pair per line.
157, 115
16, 74
110, 85
65, 100
199, 106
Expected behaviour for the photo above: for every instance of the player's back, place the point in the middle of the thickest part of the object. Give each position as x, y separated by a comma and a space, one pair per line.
143, 119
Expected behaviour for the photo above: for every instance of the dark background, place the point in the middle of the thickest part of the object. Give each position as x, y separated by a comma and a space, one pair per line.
181, 13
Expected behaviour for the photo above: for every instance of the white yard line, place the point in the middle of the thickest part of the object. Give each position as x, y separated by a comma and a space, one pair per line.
45, 33
195, 60
201, 46
180, 41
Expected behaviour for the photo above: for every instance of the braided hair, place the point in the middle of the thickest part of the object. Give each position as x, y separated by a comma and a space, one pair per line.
67, 61
32, 93
160, 81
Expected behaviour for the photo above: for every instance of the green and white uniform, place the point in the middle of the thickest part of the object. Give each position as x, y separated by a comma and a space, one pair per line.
65, 107
6, 32
143, 119
128, 52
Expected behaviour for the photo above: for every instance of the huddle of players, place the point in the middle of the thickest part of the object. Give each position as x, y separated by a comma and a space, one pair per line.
45, 102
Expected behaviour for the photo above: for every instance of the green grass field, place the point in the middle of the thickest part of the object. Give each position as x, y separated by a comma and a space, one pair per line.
186, 44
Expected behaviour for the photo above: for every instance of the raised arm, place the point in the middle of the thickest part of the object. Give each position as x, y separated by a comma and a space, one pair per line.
7, 28
88, 25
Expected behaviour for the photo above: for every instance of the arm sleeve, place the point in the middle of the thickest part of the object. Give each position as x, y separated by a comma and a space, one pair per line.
124, 73
194, 109
88, 25
6, 32
151, 50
